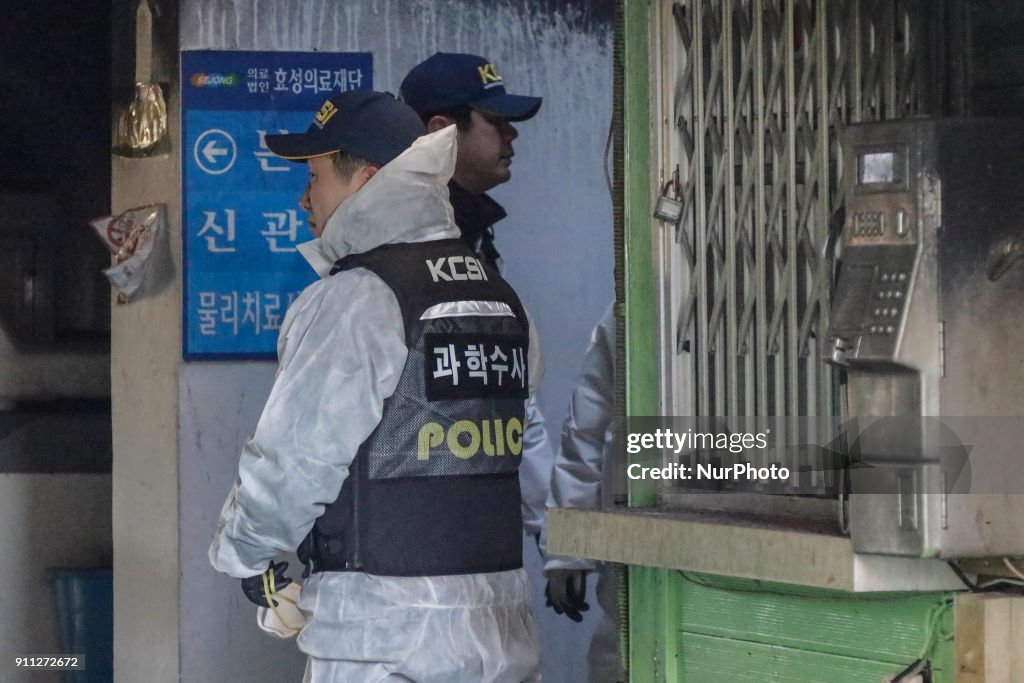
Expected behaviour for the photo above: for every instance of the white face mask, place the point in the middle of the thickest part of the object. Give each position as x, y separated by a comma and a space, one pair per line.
286, 619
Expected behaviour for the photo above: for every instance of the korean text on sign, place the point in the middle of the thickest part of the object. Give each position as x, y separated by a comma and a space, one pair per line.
233, 312
298, 81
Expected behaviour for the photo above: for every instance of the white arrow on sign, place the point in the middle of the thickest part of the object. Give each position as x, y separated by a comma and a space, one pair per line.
215, 151
211, 151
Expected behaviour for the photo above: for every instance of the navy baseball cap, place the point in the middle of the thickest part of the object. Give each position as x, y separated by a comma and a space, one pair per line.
363, 123
449, 80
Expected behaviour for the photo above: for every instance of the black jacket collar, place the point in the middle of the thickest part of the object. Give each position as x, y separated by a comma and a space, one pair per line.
476, 214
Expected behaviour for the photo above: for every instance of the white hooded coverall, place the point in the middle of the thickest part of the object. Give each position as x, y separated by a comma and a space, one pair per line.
581, 476
341, 352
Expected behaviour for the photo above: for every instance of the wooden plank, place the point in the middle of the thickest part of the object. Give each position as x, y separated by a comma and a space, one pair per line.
989, 638
715, 543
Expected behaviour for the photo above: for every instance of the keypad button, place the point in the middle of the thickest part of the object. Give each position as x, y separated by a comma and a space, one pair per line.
902, 226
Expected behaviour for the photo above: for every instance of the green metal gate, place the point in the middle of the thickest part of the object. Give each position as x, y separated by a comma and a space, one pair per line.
737, 107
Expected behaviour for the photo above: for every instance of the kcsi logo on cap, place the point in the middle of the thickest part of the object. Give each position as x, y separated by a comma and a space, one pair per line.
325, 113
489, 76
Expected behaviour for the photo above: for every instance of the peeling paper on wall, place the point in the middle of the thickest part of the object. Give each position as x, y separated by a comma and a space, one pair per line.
130, 237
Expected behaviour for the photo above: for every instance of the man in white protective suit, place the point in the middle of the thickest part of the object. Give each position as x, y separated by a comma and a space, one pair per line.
580, 478
388, 451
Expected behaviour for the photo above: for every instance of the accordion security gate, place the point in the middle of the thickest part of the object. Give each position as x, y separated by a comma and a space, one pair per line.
753, 99
748, 101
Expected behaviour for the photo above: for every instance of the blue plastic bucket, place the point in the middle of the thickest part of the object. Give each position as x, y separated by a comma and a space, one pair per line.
85, 616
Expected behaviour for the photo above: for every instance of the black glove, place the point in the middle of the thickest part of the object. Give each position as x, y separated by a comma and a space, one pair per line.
566, 592
253, 586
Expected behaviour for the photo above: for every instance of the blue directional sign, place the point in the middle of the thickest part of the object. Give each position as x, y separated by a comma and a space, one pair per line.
241, 219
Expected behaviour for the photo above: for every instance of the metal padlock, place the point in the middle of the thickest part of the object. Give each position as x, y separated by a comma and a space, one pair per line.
668, 209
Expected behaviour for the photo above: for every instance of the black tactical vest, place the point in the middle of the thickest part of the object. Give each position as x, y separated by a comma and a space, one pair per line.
434, 490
